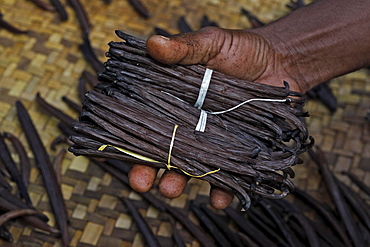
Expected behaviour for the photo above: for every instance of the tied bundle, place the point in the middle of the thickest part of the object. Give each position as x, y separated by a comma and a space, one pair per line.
143, 112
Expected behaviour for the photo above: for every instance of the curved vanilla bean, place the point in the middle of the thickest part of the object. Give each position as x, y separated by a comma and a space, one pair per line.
47, 171
57, 140
7, 159
25, 163
16, 213
6, 25
9, 202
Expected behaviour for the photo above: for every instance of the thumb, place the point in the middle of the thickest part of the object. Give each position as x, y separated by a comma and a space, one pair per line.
188, 48
237, 53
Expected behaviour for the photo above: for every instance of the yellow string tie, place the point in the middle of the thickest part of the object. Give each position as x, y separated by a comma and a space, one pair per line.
168, 165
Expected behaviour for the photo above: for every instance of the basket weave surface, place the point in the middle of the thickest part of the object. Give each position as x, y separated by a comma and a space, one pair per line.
47, 60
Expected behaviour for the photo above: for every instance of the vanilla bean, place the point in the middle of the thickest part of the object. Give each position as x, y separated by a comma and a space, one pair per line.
81, 16
6, 25
365, 188
43, 5
4, 183
91, 79
195, 230
327, 215
60, 9
54, 111
25, 163
248, 228
48, 174
140, 8
16, 213
72, 104
183, 25
337, 198
90, 54
223, 226
141, 223
210, 225
82, 90
7, 159
5, 234
255, 22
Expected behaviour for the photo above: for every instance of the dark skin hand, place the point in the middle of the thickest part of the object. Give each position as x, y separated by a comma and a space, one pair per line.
315, 43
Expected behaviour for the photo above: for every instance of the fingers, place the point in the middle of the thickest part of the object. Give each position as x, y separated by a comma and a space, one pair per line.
189, 48
239, 53
172, 184
142, 177
220, 198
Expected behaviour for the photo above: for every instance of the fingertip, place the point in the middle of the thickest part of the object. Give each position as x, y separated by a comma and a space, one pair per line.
165, 50
220, 198
172, 184
142, 177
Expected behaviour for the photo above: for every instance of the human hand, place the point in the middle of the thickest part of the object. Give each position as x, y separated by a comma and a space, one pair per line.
305, 48
243, 54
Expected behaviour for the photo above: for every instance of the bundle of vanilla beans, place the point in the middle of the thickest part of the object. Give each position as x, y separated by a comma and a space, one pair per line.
143, 112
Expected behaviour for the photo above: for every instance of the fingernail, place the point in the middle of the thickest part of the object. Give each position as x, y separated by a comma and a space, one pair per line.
164, 37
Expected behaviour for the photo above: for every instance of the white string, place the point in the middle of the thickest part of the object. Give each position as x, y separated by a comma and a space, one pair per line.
245, 102
201, 125
203, 88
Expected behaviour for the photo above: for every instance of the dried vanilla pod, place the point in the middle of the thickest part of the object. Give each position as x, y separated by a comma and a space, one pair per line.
143, 112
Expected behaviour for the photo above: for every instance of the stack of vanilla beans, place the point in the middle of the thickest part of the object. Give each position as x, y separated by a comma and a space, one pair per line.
134, 112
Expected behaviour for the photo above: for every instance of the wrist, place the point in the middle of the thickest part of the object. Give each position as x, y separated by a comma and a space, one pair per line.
313, 46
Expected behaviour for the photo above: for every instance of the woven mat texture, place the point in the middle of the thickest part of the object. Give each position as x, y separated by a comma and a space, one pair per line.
47, 60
